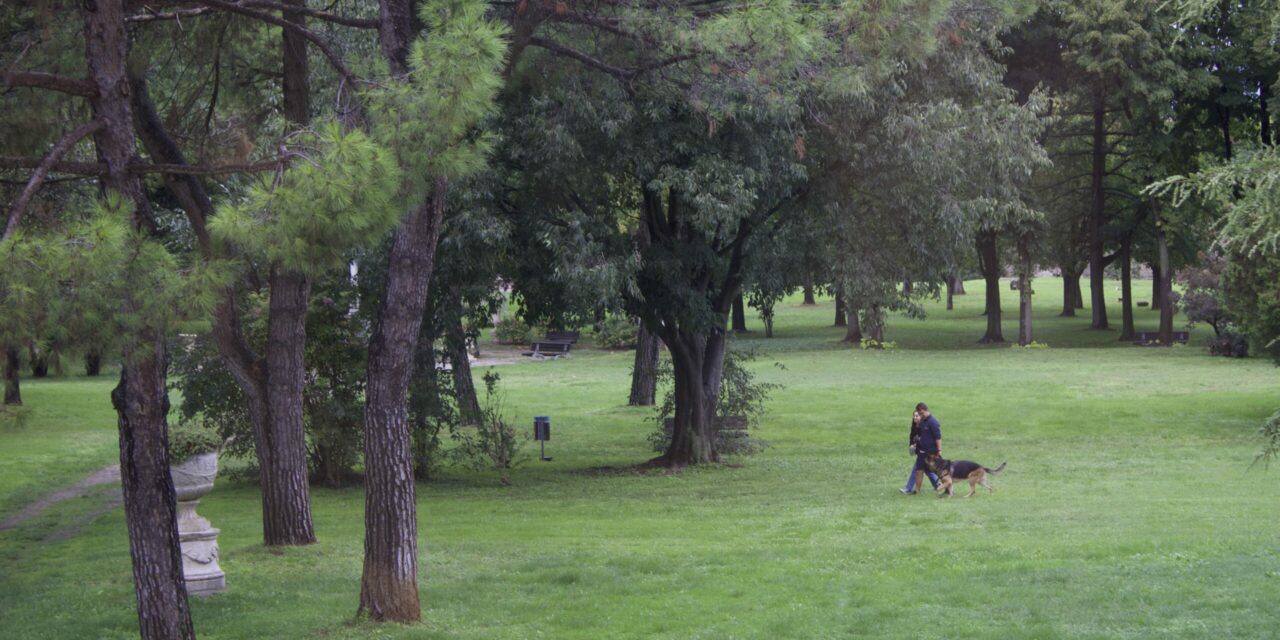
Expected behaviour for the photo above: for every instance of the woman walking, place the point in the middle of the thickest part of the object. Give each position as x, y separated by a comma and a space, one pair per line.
919, 466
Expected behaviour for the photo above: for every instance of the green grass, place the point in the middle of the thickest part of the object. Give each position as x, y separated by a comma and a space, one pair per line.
1129, 508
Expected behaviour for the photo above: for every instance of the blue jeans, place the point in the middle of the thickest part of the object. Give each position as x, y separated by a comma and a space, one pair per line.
911, 479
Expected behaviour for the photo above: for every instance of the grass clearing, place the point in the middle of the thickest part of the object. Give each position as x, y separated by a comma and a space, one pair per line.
1128, 508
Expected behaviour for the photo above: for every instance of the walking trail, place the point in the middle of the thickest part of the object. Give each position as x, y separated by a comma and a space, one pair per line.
105, 475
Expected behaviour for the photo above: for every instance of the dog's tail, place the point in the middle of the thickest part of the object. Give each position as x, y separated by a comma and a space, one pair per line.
997, 470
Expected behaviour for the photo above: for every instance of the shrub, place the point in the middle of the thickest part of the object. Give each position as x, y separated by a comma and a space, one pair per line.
512, 330
878, 345
494, 443
617, 332
1229, 343
188, 439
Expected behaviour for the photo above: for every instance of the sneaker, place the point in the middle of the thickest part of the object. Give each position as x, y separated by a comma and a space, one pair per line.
911, 492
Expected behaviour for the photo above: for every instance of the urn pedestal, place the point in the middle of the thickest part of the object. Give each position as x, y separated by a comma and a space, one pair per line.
192, 479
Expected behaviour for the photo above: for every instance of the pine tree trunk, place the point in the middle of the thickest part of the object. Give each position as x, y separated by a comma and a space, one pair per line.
853, 332
140, 399
1126, 290
1166, 305
12, 370
739, 315
644, 373
841, 319
809, 299
286, 493
1025, 335
989, 261
1264, 112
92, 362
464, 387
389, 584
1097, 217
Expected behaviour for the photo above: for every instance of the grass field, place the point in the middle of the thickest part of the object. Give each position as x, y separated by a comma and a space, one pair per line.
1128, 510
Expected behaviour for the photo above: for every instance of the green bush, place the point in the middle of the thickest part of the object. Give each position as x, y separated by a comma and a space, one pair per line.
512, 330
617, 332
187, 439
494, 443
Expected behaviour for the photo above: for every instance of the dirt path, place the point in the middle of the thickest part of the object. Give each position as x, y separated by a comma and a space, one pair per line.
105, 475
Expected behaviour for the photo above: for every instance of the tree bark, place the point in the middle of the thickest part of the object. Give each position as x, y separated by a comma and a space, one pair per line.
1126, 289
12, 369
1070, 289
1156, 294
908, 286
697, 361
1025, 335
1077, 292
873, 322
464, 387
92, 362
959, 285
989, 262
39, 362
389, 584
841, 319
739, 315
282, 450
140, 399
853, 331
950, 281
1166, 305
1097, 217
1264, 111
644, 373
809, 298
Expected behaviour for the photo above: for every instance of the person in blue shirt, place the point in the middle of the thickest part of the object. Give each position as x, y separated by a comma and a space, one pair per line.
913, 442
928, 442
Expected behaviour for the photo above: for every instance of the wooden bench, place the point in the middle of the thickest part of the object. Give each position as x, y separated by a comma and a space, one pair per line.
548, 349
563, 336
1152, 338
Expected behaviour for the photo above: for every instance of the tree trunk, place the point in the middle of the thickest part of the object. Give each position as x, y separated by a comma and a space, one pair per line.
39, 362
286, 493
950, 281
697, 361
12, 369
808, 292
1025, 336
1077, 292
1166, 305
1126, 289
464, 386
140, 399
389, 584
644, 373
989, 262
1097, 217
873, 322
766, 316
959, 285
1156, 293
841, 319
1227, 152
739, 315
1070, 289
853, 332
92, 362
1264, 111
908, 286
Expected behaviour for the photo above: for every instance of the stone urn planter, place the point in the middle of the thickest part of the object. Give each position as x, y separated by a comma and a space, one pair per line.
192, 479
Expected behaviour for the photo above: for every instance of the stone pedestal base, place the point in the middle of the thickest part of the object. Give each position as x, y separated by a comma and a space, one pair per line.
199, 552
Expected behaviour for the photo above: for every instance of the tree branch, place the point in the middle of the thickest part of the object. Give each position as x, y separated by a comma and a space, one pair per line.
94, 168
53, 82
600, 65
42, 170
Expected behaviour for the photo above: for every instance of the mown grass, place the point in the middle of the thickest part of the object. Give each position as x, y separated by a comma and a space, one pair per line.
1129, 508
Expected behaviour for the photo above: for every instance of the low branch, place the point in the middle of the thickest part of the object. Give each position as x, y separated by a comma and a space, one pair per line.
154, 16
53, 82
95, 169
562, 50
319, 14
42, 170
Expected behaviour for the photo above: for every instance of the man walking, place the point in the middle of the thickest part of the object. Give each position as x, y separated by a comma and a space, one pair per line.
930, 443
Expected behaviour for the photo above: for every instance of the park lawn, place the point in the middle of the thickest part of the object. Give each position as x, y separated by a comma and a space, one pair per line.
1129, 508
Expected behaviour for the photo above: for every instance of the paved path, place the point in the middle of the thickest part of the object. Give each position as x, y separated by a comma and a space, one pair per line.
105, 475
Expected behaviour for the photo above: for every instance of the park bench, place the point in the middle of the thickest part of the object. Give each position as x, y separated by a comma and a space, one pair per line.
563, 336
730, 432
548, 349
1150, 338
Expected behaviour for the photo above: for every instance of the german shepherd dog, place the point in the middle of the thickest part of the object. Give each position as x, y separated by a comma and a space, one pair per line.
951, 470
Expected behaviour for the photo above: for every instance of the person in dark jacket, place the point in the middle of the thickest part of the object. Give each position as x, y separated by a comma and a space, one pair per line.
913, 446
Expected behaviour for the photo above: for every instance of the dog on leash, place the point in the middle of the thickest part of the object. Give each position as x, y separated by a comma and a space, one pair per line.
948, 471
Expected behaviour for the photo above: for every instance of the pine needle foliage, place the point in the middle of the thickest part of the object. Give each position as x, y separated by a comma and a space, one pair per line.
338, 194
